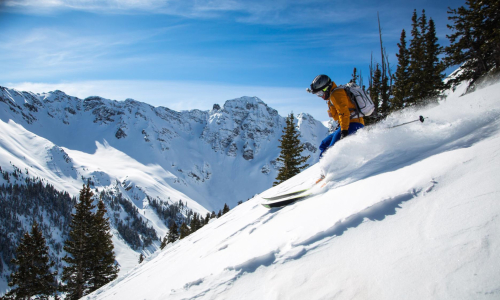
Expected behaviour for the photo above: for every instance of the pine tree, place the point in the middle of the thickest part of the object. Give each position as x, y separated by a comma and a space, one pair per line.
33, 276
79, 247
141, 258
475, 43
207, 218
195, 223
163, 243
184, 231
433, 67
401, 89
291, 149
491, 11
383, 105
375, 89
213, 215
417, 58
355, 76
226, 209
103, 267
173, 233
425, 70
384, 95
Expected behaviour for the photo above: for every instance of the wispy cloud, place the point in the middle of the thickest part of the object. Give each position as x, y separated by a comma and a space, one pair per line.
278, 12
113, 6
62, 50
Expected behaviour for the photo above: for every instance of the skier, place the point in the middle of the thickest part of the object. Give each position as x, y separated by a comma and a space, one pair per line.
339, 108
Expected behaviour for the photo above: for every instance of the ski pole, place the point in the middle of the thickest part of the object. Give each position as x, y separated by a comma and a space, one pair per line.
421, 119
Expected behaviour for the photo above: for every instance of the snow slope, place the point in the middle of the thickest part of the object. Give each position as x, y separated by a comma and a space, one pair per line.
109, 169
405, 213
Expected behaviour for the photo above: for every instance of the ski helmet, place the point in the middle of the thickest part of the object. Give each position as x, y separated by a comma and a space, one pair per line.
320, 82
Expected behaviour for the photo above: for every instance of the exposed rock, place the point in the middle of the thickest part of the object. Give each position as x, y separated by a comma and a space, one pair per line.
309, 147
265, 169
120, 134
248, 154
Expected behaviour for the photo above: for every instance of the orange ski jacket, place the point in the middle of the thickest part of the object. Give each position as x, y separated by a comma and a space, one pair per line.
340, 108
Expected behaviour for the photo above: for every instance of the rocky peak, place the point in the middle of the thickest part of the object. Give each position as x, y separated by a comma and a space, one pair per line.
240, 126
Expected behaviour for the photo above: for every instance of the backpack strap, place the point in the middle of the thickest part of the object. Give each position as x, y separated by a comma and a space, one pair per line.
347, 91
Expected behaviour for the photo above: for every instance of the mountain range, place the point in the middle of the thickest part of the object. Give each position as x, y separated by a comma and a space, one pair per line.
138, 155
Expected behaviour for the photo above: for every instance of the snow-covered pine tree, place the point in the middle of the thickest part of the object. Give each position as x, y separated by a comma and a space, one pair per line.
291, 149
103, 267
79, 247
33, 277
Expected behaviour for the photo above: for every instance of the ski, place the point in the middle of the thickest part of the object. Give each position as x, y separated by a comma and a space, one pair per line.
289, 198
281, 196
285, 195
284, 202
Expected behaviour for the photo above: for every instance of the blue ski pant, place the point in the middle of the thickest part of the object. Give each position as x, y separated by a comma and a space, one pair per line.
331, 139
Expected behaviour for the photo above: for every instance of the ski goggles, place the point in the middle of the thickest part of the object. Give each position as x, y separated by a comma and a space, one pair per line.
321, 93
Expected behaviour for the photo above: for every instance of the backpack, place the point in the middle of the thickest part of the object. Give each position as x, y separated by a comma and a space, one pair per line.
360, 99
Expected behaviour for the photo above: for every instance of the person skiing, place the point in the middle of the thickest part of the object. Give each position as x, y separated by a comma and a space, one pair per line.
340, 108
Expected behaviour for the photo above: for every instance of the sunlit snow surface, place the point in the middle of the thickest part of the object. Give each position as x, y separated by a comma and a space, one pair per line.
405, 213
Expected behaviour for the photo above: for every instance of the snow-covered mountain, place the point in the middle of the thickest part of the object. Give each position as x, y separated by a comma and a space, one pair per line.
411, 212
134, 154
199, 151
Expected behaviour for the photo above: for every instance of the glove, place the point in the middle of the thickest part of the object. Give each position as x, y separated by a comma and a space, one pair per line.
343, 134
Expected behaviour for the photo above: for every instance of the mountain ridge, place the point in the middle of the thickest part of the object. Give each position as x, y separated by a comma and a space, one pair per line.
242, 128
144, 159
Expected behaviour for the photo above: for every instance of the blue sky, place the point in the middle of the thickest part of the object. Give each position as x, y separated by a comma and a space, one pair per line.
192, 54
